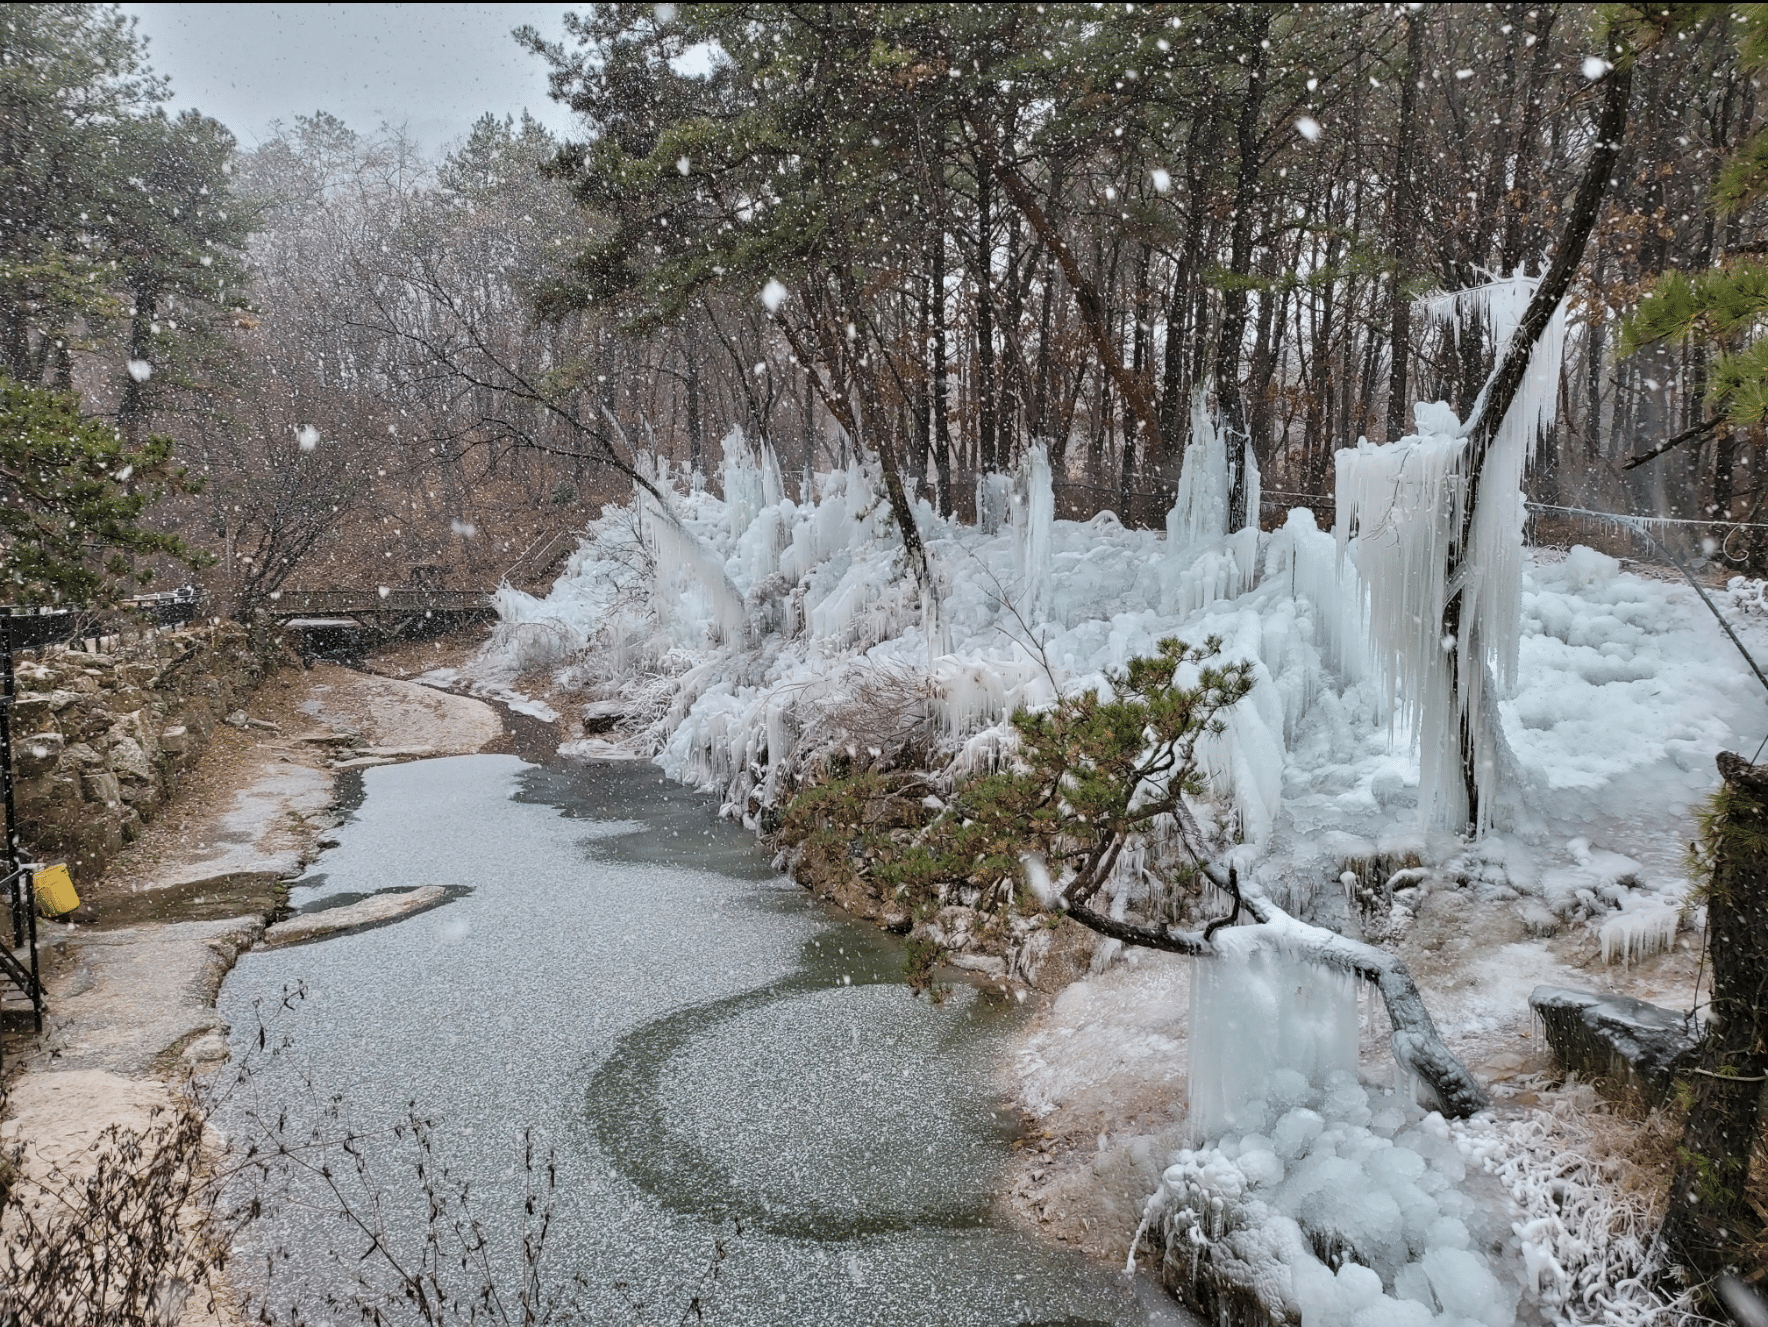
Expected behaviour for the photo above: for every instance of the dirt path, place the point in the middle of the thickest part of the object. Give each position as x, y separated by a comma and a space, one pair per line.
131, 981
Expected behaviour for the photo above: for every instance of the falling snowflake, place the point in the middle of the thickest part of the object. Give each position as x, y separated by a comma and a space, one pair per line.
1162, 180
1595, 67
140, 370
1308, 127
773, 294
307, 436
465, 529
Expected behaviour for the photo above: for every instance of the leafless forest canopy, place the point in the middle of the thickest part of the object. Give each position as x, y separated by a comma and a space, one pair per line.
975, 227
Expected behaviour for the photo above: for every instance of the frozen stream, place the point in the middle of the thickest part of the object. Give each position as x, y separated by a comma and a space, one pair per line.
703, 1046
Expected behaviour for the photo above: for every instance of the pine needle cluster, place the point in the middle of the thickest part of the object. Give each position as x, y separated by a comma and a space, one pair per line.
1091, 775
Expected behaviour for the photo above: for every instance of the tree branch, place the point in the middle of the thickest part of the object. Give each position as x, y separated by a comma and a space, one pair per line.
1086, 296
1699, 431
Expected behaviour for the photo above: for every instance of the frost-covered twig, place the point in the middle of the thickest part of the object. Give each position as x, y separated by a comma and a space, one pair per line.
1588, 1237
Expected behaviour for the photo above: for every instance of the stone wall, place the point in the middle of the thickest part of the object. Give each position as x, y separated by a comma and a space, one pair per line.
99, 740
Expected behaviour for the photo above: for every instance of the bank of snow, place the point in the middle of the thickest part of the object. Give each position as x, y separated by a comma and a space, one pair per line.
738, 639
747, 635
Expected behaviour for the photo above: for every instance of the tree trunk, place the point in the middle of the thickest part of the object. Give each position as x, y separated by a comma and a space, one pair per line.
696, 435
1040, 410
1257, 21
1404, 228
985, 352
942, 427
1139, 368
132, 410
1500, 392
923, 434
1011, 410
1594, 354
1711, 1220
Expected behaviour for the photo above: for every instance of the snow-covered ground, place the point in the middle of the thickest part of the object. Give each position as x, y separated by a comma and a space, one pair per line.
741, 638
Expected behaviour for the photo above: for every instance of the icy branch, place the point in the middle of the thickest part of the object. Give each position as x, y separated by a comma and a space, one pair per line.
1417, 1046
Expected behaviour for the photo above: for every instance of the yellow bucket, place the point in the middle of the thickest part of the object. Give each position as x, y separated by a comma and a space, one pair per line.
55, 890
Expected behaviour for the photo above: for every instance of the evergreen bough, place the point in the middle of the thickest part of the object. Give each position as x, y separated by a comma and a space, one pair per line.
1090, 775
72, 494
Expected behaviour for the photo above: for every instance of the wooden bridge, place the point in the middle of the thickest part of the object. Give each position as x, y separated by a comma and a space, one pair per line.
347, 621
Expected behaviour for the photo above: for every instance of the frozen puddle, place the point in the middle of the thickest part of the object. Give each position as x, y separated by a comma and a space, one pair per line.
705, 1049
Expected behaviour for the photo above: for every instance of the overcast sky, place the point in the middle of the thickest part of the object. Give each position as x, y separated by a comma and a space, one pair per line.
434, 68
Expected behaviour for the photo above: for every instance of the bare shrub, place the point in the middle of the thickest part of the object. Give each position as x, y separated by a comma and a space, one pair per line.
137, 1230
125, 1235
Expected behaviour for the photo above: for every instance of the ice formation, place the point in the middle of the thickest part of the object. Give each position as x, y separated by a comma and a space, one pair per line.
761, 621
1336, 1206
1200, 511
1258, 1018
1034, 518
1644, 927
1399, 509
1494, 582
751, 633
1205, 562
744, 628
1404, 504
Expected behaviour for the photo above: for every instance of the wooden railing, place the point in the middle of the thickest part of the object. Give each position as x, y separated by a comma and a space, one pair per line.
353, 603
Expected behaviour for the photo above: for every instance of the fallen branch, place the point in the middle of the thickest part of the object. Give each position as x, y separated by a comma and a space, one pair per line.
1417, 1046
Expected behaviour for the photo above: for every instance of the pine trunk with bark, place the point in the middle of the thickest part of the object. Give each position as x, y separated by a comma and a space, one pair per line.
1467, 668
1257, 24
1711, 1221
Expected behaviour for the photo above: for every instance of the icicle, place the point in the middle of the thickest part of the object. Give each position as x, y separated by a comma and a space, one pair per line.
683, 561
993, 502
1263, 1021
1493, 593
1640, 932
1401, 504
1404, 503
743, 498
1204, 563
1253, 496
1200, 510
1034, 520
1306, 558
773, 487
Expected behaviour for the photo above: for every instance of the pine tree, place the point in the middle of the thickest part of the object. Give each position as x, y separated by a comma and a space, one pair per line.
71, 499
1724, 306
